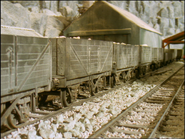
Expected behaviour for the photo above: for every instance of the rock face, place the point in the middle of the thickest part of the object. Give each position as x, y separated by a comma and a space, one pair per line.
14, 15
49, 18
38, 22
53, 27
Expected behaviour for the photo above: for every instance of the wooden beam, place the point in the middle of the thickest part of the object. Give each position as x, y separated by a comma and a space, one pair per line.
175, 42
164, 45
172, 42
174, 37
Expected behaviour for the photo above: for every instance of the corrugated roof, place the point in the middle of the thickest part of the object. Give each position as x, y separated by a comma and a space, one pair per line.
131, 17
9, 30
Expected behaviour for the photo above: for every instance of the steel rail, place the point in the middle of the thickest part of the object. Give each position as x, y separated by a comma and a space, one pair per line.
165, 112
105, 127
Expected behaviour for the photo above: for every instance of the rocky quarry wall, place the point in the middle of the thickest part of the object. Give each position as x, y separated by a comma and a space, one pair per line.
49, 18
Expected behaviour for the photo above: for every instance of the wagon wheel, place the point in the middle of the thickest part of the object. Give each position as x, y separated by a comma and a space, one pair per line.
17, 119
66, 98
13, 121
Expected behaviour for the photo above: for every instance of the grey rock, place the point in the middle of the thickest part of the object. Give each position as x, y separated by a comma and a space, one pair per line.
52, 32
144, 18
146, 8
153, 9
177, 8
176, 3
67, 12
53, 27
138, 6
165, 4
154, 20
63, 20
163, 13
34, 9
123, 5
157, 27
132, 7
181, 20
163, 30
29, 3
14, 15
38, 22
170, 11
182, 7
87, 4
164, 22
43, 5
48, 12
150, 23
47, 4
170, 31
54, 6
177, 30
71, 4
172, 23
50, 5
181, 27
32, 6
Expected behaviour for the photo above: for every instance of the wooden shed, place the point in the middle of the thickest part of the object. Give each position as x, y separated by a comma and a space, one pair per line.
105, 21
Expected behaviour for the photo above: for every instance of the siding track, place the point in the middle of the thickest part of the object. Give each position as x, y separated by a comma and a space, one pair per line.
172, 124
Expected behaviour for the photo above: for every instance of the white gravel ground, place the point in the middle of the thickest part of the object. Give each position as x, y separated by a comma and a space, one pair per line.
83, 120
133, 118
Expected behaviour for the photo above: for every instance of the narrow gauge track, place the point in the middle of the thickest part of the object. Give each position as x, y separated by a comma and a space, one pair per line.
172, 124
142, 118
44, 115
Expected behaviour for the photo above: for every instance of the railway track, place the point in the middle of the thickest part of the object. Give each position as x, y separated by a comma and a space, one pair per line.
142, 119
172, 124
44, 115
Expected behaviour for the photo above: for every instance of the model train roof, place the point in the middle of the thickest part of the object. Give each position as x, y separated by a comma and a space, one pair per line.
104, 15
132, 18
9, 30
